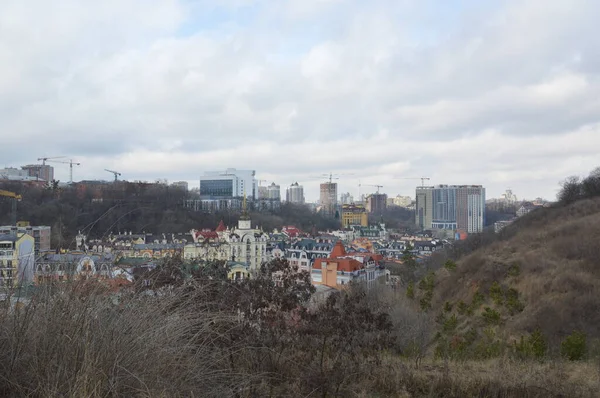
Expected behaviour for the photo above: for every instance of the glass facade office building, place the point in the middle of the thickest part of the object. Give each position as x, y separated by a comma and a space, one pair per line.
216, 188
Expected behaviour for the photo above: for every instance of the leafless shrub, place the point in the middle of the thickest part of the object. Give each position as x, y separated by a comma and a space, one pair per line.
70, 341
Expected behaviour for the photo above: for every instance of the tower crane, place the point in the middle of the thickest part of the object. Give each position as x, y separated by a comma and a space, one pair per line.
331, 176
70, 163
116, 173
15, 197
45, 159
423, 179
374, 185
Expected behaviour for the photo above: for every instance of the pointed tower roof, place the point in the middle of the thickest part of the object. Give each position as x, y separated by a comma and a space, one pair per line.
338, 250
245, 216
221, 227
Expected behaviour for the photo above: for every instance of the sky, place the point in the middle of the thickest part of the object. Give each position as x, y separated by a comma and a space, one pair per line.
499, 93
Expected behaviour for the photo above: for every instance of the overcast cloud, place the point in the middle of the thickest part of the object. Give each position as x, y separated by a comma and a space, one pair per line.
506, 94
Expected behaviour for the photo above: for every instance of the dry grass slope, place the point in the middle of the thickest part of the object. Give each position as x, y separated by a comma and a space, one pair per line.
551, 257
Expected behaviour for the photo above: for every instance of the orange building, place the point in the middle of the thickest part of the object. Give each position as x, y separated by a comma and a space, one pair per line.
342, 268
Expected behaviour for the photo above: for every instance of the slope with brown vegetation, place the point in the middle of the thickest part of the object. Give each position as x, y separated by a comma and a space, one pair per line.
541, 273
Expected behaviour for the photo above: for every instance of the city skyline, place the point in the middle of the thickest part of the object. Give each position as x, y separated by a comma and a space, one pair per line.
502, 94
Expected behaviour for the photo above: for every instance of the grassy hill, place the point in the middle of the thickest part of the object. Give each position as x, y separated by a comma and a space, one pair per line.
540, 273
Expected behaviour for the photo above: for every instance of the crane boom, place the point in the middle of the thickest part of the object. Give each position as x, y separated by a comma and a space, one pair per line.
373, 185
423, 179
116, 173
70, 163
48, 158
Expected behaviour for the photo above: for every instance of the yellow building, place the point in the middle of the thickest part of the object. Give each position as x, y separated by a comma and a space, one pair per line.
17, 259
354, 215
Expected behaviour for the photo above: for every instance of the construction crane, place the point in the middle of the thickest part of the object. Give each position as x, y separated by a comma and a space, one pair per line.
331, 176
423, 179
15, 197
116, 173
45, 159
373, 185
70, 163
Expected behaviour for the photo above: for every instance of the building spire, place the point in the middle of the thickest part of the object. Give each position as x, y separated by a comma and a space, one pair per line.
245, 215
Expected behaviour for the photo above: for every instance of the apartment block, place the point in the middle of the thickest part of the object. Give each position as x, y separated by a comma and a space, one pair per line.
17, 259
451, 207
40, 234
328, 197
295, 193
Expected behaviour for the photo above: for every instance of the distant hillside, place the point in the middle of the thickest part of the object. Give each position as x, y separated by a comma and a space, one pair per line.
543, 271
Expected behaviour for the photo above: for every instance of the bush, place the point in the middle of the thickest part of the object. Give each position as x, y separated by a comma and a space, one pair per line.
450, 265
491, 317
513, 304
496, 293
535, 346
574, 346
425, 301
447, 306
450, 323
514, 270
410, 290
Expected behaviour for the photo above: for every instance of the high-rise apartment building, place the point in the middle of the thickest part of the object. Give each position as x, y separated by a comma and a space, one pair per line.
40, 171
274, 192
452, 207
231, 183
295, 193
263, 192
328, 197
424, 207
377, 202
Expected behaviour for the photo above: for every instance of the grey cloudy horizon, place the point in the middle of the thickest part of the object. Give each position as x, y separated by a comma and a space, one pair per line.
504, 94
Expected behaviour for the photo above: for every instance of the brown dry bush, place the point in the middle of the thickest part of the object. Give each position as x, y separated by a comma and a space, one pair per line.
74, 343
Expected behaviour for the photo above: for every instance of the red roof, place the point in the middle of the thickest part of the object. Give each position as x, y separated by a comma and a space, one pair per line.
344, 260
338, 250
221, 227
207, 234
291, 231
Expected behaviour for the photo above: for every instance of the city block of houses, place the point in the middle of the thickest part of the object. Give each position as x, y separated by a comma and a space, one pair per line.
333, 259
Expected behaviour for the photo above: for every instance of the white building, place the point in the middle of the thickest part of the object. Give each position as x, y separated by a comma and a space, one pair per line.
230, 183
402, 201
347, 198
14, 174
243, 245
295, 193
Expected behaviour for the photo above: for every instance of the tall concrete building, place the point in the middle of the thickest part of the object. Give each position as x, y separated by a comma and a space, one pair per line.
230, 183
451, 207
328, 197
295, 194
40, 171
424, 207
263, 192
274, 192
377, 202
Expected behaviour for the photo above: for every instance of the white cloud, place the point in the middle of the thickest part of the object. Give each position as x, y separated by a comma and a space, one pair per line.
502, 95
